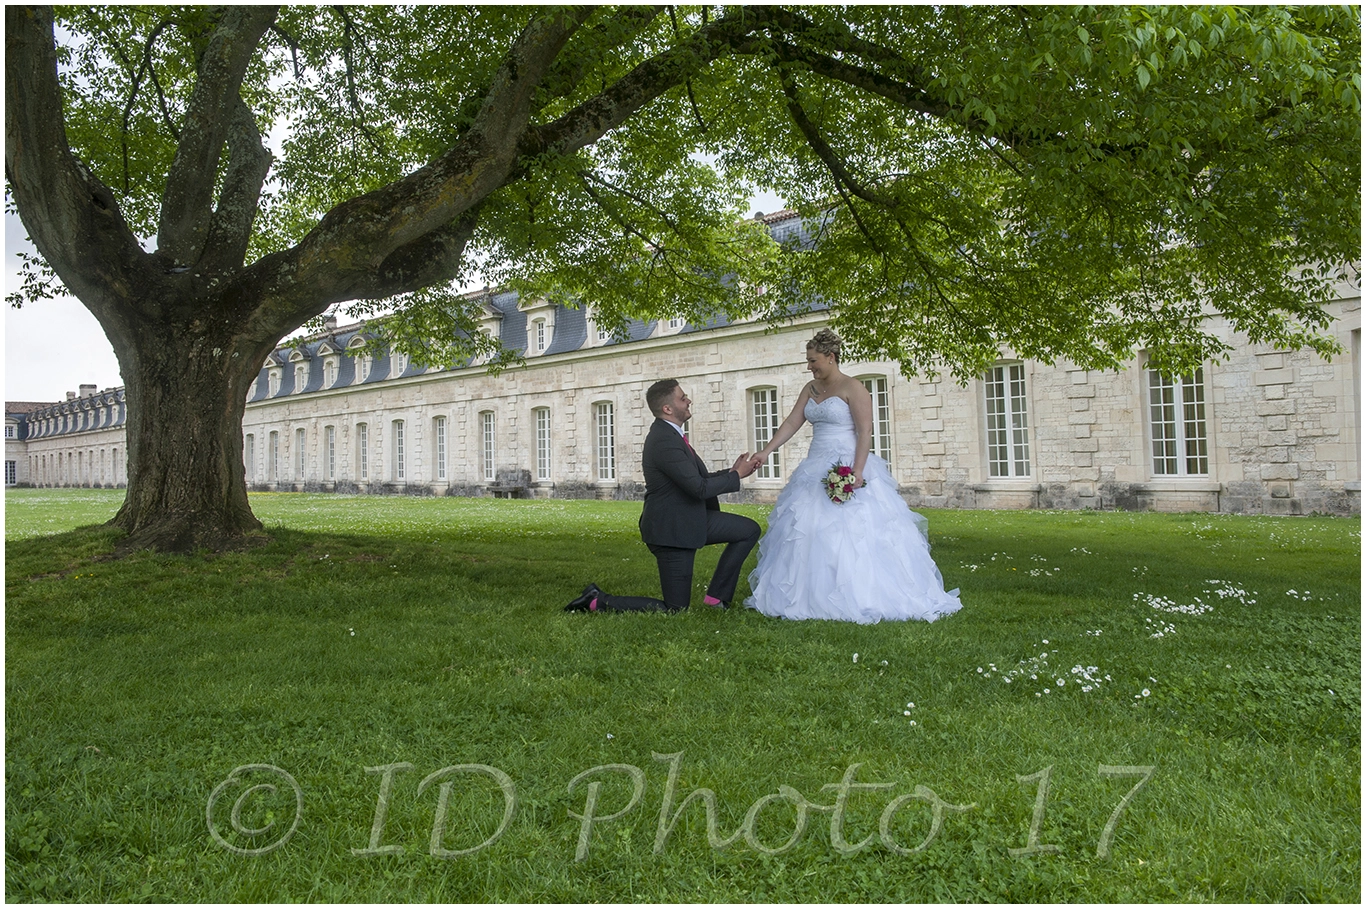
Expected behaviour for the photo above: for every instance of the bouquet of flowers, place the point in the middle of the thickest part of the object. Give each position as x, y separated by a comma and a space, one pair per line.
839, 483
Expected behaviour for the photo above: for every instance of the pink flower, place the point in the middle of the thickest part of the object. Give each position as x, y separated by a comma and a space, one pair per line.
848, 488
845, 471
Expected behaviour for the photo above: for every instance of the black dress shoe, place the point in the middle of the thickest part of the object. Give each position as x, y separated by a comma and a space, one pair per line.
580, 603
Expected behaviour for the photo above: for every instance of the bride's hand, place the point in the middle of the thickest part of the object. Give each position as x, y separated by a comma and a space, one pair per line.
858, 480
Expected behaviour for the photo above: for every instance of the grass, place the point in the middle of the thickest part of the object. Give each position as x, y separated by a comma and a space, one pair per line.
375, 631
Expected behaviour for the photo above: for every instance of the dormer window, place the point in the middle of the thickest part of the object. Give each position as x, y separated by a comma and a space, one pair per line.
539, 331
300, 376
329, 372
400, 365
273, 381
367, 363
675, 324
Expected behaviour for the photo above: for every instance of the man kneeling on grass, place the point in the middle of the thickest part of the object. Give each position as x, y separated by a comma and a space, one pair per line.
682, 514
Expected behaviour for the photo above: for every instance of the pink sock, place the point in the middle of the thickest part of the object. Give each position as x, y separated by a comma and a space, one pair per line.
593, 605
710, 600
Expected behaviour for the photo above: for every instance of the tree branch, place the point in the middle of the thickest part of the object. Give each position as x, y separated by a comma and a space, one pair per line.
610, 108
357, 116
72, 218
185, 205
365, 245
248, 163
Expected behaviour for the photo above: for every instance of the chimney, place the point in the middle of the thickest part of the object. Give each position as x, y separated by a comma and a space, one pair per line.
71, 396
87, 391
330, 321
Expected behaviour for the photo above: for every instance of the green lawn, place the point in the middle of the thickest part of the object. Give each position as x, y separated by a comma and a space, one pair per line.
428, 632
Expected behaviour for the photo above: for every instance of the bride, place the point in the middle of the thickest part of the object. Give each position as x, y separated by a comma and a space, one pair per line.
865, 560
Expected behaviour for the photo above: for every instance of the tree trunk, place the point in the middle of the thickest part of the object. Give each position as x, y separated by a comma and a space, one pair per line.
186, 479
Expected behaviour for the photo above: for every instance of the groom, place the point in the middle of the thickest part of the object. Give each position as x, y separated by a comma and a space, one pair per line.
682, 513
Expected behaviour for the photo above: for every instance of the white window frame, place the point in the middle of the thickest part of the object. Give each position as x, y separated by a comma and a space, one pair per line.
1006, 400
604, 420
300, 377
273, 458
543, 439
11, 473
439, 433
1178, 424
330, 452
363, 451
249, 462
539, 326
882, 415
329, 372
300, 441
488, 425
273, 378
764, 420
399, 364
400, 456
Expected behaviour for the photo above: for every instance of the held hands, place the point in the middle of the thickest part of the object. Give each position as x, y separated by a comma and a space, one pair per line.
744, 465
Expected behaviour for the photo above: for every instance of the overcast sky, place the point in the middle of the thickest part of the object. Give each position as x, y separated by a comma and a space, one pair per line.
56, 346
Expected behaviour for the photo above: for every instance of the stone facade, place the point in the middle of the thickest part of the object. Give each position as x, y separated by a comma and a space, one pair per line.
1265, 431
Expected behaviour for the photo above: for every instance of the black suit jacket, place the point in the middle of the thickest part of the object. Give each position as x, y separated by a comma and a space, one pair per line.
679, 490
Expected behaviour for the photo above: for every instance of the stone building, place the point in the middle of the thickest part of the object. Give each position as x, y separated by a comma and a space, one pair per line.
1265, 431
76, 442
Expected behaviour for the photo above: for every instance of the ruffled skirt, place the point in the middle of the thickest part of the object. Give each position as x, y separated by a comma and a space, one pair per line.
867, 560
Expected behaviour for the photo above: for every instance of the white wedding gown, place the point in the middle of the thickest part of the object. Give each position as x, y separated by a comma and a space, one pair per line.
865, 561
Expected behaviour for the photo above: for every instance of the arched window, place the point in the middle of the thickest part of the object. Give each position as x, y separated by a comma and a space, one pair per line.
400, 459
330, 453
439, 434
487, 425
542, 444
249, 462
362, 452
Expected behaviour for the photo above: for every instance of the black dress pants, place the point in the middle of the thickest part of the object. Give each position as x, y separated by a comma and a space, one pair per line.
739, 533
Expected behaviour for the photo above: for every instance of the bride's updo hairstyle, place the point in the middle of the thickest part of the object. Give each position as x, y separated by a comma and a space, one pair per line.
826, 342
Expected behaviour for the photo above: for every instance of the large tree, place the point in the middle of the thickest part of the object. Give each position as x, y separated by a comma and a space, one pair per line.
1069, 183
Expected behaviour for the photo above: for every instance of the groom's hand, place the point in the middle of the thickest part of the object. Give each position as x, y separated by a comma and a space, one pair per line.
744, 465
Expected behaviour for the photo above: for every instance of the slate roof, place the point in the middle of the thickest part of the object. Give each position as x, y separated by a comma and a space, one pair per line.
570, 334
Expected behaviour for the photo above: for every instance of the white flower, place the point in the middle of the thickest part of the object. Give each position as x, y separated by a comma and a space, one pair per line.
856, 658
912, 722
1146, 692
610, 736
1047, 691
1045, 640
1061, 682
910, 704
905, 713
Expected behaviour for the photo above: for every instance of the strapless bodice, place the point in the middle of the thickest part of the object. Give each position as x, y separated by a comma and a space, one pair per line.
832, 425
